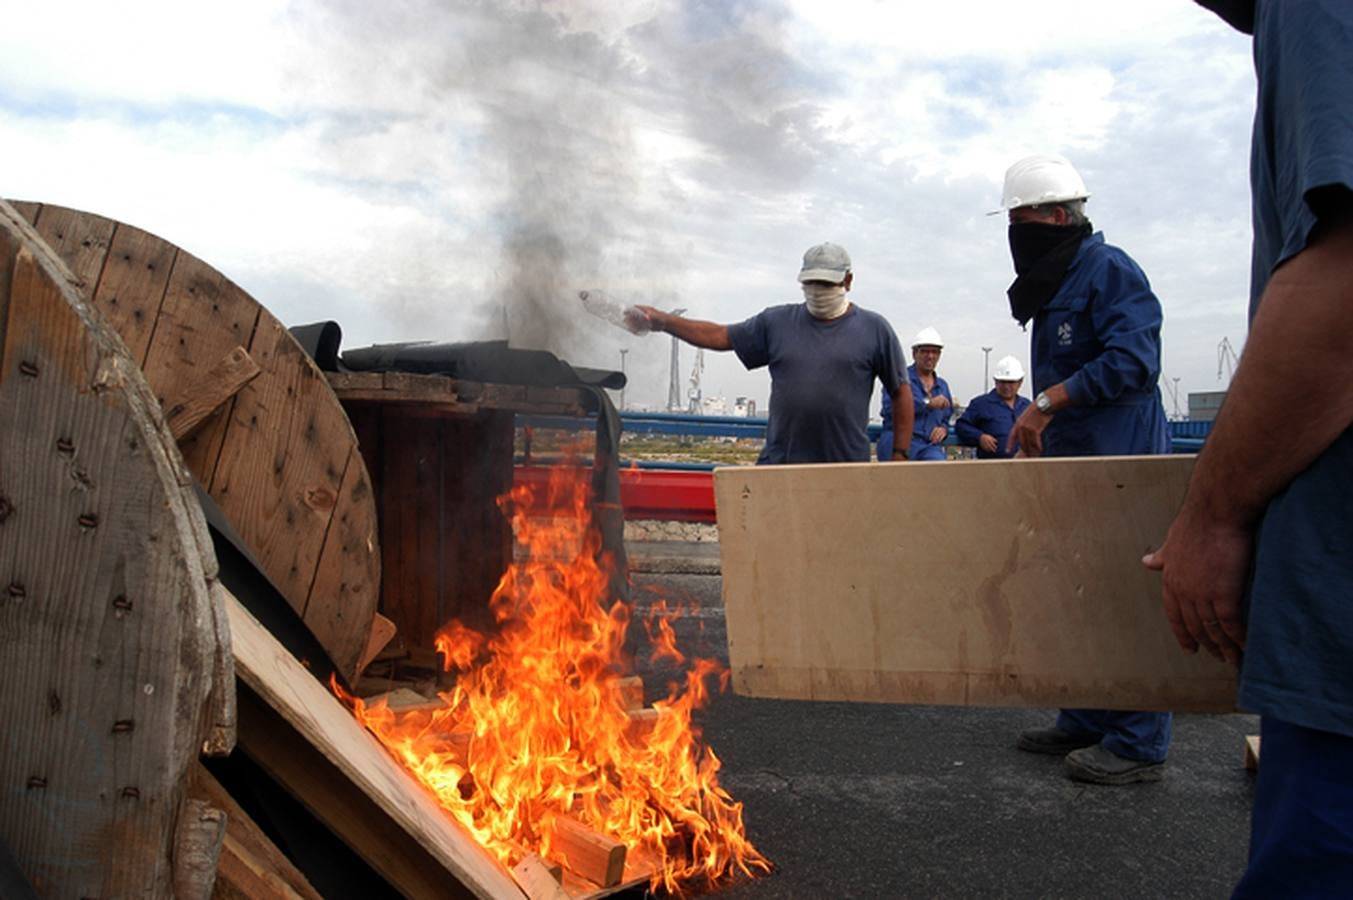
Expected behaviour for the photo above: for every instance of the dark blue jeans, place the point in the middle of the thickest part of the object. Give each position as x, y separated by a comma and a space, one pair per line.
1143, 736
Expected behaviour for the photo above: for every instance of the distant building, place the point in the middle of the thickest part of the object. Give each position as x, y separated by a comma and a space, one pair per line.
744, 406
1203, 405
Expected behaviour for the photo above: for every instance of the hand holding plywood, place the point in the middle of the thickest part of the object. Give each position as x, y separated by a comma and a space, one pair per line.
1001, 583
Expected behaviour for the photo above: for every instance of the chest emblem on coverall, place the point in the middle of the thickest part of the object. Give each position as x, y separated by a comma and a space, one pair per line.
1064, 334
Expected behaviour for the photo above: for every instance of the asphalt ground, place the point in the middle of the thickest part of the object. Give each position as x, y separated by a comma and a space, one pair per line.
891, 801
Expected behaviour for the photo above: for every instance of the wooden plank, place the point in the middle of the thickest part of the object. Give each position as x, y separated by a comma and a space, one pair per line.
1001, 583
346, 589
280, 471
1252, 752
629, 691
202, 318
346, 778
537, 881
592, 855
108, 655
251, 867
412, 513
132, 286
197, 399
80, 239
197, 849
382, 632
26, 209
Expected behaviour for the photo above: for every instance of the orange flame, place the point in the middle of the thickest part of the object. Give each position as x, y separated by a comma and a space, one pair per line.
535, 727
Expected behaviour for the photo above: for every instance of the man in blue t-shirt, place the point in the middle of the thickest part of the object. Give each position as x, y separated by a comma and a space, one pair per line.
1257, 567
988, 420
824, 356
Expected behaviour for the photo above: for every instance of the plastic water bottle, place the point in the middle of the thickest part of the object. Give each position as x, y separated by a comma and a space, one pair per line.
602, 305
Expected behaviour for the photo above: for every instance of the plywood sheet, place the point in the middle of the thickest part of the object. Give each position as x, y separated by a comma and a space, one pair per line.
1001, 583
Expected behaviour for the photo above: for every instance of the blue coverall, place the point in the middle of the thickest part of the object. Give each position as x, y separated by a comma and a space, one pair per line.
988, 414
924, 422
1099, 336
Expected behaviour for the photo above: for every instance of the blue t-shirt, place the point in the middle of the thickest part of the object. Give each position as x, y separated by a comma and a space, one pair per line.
1099, 336
988, 414
1298, 664
822, 375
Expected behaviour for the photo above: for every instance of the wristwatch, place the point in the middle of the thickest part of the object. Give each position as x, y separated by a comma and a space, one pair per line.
1044, 403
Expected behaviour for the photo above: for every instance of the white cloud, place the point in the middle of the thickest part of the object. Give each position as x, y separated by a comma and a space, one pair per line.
400, 167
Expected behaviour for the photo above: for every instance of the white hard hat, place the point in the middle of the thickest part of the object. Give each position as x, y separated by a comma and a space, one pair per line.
928, 337
1035, 180
1009, 369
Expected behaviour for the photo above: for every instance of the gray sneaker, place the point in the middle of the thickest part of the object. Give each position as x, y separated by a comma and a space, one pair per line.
1099, 766
1054, 741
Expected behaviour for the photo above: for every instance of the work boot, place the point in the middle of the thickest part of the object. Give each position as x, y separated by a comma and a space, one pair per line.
1099, 766
1054, 741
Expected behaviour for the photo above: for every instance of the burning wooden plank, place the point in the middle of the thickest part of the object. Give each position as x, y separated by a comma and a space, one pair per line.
592, 855
538, 879
299, 732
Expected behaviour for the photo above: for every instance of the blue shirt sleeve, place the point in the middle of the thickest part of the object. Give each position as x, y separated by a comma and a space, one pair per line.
1126, 317
751, 340
1302, 128
969, 425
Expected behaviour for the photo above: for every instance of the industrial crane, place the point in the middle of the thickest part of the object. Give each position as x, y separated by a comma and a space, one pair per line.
674, 403
1226, 356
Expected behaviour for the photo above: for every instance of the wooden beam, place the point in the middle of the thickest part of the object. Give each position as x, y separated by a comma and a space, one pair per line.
538, 880
382, 632
202, 396
298, 732
197, 849
592, 855
971, 583
251, 867
629, 691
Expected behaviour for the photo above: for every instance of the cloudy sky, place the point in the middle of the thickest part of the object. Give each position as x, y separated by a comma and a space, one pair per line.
458, 170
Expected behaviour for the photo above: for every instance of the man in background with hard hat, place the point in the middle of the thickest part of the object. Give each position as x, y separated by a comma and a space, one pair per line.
824, 356
1095, 353
931, 403
1258, 564
987, 421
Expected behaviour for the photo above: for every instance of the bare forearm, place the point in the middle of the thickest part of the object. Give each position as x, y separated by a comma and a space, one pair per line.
903, 417
1295, 372
710, 335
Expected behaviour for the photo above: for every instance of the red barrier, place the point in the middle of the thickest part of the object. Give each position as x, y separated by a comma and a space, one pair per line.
665, 494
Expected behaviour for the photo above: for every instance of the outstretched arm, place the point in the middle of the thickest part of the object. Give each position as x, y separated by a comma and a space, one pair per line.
709, 335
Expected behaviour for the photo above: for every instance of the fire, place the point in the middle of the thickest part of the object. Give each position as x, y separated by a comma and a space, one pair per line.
535, 730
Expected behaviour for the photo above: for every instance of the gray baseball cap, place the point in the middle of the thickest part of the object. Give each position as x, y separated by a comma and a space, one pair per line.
825, 262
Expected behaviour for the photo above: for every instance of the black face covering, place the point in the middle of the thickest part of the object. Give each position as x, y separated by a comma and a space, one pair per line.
1042, 253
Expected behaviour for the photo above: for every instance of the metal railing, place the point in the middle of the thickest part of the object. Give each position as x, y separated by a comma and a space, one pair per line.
1186, 437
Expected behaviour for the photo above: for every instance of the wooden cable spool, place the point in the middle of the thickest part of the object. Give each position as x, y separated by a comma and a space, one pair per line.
278, 456
115, 660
